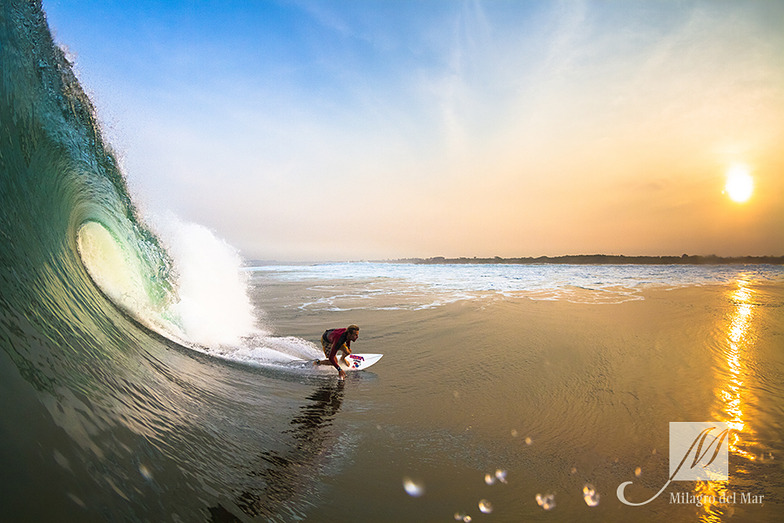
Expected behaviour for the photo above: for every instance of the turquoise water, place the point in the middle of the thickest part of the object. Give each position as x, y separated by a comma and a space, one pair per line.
131, 391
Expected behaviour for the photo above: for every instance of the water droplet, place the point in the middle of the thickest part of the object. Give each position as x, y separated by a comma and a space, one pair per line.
489, 479
485, 506
465, 518
590, 495
528, 441
145, 472
638, 472
500, 475
76, 500
547, 501
573, 471
61, 460
413, 488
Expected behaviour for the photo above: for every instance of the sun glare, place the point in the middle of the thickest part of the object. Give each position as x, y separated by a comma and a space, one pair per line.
740, 184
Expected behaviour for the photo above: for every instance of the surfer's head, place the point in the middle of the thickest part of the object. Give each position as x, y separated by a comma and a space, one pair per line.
353, 332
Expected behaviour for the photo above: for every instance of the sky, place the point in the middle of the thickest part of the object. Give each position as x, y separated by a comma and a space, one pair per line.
362, 130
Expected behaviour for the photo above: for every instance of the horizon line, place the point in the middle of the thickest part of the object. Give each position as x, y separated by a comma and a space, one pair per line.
703, 259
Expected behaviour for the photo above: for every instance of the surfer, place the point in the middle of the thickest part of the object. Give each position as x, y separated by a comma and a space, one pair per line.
334, 341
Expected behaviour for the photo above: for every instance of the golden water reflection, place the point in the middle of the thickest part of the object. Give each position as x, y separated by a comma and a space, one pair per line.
732, 395
739, 344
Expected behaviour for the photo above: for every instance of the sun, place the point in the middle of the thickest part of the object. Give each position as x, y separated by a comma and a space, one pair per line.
740, 184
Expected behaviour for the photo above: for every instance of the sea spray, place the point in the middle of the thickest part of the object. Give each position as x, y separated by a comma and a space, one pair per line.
213, 311
213, 306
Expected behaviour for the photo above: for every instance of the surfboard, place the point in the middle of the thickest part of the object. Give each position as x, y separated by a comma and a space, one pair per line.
359, 361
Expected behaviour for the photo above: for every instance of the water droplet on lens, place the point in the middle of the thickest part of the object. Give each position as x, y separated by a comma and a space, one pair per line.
76, 500
546, 501
500, 475
61, 460
590, 495
489, 479
413, 488
465, 518
514, 433
485, 506
145, 472
638, 472
528, 441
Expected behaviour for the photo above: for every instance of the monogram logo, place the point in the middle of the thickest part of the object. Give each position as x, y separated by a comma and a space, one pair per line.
698, 452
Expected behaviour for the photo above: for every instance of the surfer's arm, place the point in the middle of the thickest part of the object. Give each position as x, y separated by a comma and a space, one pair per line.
333, 356
333, 359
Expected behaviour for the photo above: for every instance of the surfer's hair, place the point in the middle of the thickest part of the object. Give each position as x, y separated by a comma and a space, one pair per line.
352, 328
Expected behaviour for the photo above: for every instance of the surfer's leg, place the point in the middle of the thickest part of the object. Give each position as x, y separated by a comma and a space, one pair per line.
325, 347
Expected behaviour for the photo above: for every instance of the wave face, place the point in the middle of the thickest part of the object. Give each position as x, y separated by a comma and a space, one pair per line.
108, 411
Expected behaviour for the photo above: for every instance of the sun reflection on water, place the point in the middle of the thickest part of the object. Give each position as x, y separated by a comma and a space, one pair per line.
732, 395
732, 388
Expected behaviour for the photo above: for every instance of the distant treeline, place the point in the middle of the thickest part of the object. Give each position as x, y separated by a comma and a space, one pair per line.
607, 259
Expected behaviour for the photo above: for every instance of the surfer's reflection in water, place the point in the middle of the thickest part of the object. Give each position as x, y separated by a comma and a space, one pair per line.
282, 474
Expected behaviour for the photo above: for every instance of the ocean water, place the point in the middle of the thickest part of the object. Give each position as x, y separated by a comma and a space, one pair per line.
147, 373
574, 283
517, 393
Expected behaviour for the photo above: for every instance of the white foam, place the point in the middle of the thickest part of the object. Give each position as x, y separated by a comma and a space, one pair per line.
213, 307
416, 285
266, 350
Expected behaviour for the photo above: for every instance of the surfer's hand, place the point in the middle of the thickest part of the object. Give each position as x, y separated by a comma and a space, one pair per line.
341, 374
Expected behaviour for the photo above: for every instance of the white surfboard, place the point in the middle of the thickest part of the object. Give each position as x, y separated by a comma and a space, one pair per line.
358, 361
